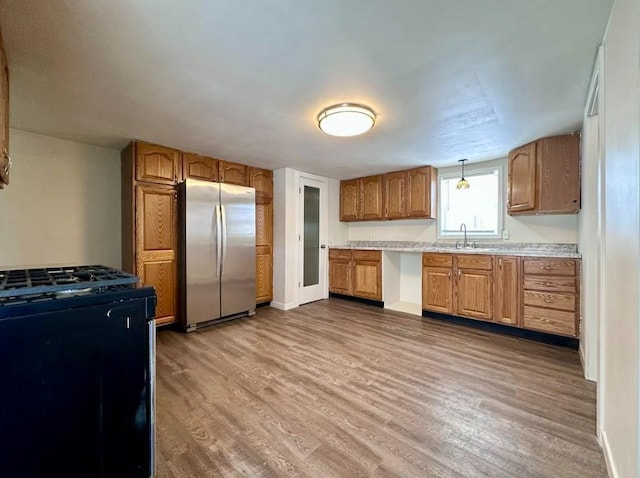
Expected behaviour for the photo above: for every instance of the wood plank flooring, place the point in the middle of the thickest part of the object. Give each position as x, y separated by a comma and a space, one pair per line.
340, 389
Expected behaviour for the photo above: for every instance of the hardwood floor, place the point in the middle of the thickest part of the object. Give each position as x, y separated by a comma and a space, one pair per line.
337, 388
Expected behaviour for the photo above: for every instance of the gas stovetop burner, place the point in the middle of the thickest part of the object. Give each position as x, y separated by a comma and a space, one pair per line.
29, 282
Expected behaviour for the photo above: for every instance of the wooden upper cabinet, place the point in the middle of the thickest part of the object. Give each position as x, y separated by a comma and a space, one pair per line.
394, 185
233, 173
371, 198
262, 181
507, 291
544, 177
349, 192
156, 164
522, 179
421, 192
559, 176
4, 117
395, 195
195, 166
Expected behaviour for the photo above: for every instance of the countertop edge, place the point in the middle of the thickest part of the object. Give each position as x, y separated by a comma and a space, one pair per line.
444, 250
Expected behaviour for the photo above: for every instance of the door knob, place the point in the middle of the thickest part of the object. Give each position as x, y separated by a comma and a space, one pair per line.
323, 246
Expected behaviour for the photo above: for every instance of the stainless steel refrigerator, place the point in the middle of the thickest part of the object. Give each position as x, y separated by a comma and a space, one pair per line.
218, 252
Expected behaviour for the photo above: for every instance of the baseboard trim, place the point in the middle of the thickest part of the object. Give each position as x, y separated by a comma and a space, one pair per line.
283, 306
606, 450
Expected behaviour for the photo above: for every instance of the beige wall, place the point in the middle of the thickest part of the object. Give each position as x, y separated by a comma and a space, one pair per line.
556, 229
618, 380
63, 204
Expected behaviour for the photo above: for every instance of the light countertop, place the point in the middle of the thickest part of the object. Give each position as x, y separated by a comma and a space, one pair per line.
569, 251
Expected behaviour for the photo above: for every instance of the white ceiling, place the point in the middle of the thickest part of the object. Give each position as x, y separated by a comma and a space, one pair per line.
245, 80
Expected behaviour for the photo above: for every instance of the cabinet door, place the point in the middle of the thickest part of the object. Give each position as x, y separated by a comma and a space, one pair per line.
559, 174
507, 291
371, 198
156, 238
264, 249
4, 117
367, 279
195, 166
349, 200
156, 164
474, 293
233, 173
522, 179
340, 276
394, 195
437, 289
264, 277
262, 181
421, 192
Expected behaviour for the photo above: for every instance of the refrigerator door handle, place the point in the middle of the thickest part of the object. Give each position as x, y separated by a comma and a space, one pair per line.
218, 242
224, 238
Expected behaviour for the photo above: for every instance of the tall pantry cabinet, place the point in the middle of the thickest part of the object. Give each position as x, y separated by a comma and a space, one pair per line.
150, 222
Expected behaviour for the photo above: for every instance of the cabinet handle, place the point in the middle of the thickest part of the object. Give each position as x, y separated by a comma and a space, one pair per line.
449, 275
500, 262
458, 272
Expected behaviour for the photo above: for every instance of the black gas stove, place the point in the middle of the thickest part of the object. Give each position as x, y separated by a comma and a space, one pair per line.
77, 346
19, 283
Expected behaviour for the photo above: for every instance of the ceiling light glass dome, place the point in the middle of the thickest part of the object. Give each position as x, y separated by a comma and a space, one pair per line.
346, 119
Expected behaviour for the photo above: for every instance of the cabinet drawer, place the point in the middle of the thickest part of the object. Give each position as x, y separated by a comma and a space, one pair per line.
559, 267
474, 261
551, 300
437, 260
340, 254
550, 321
550, 284
359, 255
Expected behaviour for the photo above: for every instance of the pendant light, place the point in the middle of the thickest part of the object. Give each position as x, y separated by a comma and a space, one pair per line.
346, 119
463, 183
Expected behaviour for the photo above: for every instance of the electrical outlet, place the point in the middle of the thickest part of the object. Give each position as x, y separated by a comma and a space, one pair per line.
505, 234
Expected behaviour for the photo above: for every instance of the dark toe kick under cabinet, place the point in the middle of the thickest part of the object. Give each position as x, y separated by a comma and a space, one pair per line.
540, 294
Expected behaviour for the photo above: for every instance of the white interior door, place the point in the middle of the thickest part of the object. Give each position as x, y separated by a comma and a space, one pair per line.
312, 251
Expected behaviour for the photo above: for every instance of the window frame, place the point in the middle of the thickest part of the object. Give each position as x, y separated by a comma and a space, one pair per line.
469, 173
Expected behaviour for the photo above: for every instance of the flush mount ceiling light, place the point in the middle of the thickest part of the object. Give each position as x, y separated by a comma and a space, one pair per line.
463, 183
346, 119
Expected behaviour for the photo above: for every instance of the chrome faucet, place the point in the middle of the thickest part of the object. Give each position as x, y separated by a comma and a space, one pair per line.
463, 227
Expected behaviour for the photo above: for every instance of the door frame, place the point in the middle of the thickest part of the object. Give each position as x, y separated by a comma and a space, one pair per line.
323, 183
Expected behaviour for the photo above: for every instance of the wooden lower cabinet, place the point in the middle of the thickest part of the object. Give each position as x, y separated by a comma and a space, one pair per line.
367, 274
356, 273
161, 274
437, 290
474, 294
507, 291
534, 293
550, 295
340, 275
264, 277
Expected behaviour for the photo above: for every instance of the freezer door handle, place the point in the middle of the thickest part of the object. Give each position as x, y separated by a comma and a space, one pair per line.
224, 238
218, 241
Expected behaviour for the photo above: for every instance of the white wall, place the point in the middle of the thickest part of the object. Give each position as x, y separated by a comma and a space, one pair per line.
284, 244
338, 232
545, 229
618, 381
62, 206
